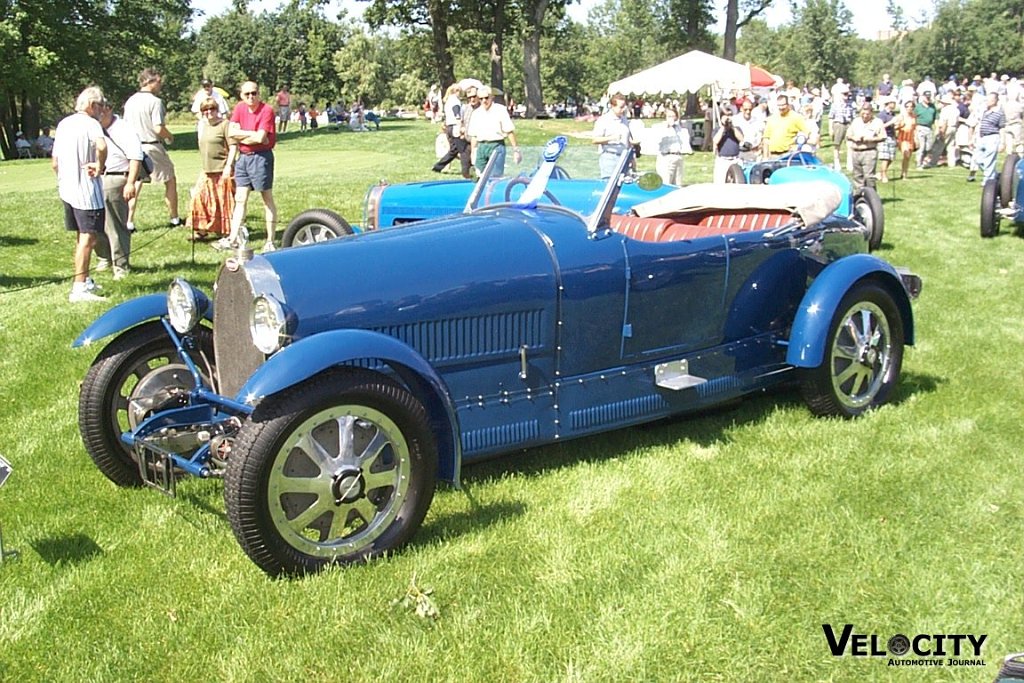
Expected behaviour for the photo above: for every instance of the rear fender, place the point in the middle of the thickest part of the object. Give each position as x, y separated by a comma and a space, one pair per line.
122, 317
307, 357
810, 326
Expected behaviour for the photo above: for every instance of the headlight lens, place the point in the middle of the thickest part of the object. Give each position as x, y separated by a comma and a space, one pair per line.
185, 306
267, 324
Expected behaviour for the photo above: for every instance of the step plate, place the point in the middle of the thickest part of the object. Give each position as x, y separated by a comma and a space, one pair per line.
676, 375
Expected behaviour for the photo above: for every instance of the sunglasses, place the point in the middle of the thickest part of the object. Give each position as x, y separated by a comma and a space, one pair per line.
209, 111
250, 92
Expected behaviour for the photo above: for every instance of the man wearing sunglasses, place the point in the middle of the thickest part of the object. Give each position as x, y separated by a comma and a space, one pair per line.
252, 127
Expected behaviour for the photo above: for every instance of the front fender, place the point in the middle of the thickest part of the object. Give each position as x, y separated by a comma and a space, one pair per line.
810, 326
314, 354
123, 316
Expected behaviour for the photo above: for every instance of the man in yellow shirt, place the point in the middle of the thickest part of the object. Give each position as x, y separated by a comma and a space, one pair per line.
781, 129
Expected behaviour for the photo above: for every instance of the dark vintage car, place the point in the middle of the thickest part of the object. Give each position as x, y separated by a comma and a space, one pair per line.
388, 205
332, 385
999, 195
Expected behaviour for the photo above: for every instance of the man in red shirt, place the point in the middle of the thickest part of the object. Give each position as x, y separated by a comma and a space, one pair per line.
252, 127
284, 109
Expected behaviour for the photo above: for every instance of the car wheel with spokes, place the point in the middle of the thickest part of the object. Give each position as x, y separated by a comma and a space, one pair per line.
863, 355
315, 225
138, 374
338, 469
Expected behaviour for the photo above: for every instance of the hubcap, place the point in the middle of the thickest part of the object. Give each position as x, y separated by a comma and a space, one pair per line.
313, 233
861, 355
338, 481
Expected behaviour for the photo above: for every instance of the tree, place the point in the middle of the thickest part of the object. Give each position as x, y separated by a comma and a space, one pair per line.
821, 45
49, 51
750, 9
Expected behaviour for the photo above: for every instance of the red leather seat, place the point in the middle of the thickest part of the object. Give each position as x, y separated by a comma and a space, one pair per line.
643, 229
724, 223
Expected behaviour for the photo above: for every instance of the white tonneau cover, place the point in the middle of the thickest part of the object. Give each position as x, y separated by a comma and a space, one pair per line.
812, 201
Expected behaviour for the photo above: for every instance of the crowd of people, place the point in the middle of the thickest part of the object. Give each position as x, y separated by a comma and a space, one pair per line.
876, 133
102, 160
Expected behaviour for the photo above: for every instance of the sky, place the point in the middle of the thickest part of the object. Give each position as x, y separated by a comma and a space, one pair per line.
869, 16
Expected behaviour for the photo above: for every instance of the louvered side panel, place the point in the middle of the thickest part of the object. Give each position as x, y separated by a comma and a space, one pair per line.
500, 436
613, 413
470, 337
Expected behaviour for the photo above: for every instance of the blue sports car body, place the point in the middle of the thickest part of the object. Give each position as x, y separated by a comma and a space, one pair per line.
332, 385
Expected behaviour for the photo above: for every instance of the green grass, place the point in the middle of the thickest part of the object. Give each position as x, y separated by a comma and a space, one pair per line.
710, 548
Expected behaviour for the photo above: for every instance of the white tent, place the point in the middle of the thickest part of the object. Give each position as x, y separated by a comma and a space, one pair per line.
686, 73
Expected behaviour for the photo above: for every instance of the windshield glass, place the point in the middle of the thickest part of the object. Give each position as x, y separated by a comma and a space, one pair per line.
563, 173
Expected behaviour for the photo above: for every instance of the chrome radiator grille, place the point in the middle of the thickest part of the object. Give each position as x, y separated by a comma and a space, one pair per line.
237, 358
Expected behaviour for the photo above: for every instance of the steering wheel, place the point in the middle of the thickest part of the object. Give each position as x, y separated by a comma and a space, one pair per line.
515, 182
559, 173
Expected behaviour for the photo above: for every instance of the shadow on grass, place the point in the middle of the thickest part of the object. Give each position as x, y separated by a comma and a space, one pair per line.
18, 282
16, 241
73, 549
444, 526
704, 428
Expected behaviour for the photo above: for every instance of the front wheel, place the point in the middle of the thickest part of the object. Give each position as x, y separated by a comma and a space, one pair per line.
734, 175
332, 471
863, 356
136, 375
315, 225
990, 209
867, 210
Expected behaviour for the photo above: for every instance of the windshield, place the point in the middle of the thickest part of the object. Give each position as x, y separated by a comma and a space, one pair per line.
562, 173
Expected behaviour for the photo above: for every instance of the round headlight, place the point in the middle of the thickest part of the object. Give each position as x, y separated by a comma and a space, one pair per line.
267, 324
185, 306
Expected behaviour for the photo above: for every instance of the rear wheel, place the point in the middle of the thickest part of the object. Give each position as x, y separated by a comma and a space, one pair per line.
337, 469
867, 209
990, 209
1006, 179
863, 355
136, 375
315, 225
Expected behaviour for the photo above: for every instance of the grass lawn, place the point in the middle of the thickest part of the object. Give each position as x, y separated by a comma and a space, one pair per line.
711, 548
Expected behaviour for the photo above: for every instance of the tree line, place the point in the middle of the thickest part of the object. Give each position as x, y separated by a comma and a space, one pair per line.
530, 49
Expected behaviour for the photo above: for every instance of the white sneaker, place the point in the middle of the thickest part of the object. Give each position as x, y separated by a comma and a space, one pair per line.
269, 247
78, 296
120, 273
130, 227
102, 264
224, 244
91, 286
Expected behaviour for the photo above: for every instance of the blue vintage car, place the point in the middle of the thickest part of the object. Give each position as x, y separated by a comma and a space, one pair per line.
387, 205
333, 385
804, 165
998, 196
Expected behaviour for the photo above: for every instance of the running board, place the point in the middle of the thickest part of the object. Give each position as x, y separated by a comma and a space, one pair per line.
676, 376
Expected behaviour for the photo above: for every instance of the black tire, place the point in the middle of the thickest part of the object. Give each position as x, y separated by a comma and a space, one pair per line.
868, 211
315, 225
857, 374
735, 175
990, 209
293, 528
1007, 178
129, 373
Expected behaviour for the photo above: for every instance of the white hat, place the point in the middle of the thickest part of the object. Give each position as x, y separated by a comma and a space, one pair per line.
484, 91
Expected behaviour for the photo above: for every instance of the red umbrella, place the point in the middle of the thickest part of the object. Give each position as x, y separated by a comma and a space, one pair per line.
761, 78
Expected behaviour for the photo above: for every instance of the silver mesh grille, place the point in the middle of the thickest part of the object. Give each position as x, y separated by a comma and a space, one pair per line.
237, 358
